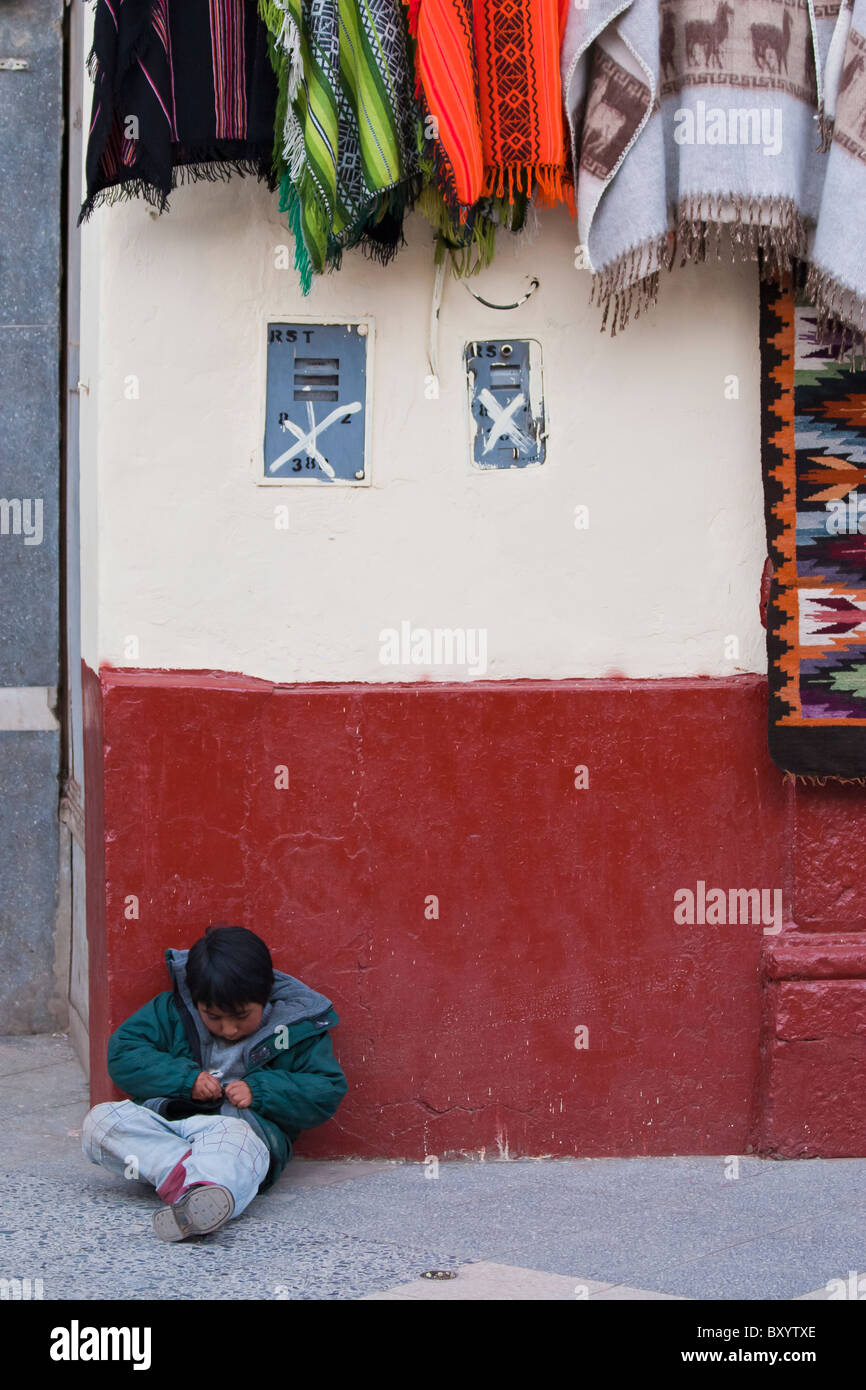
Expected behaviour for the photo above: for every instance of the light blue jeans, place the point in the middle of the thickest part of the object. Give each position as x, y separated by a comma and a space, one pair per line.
135, 1142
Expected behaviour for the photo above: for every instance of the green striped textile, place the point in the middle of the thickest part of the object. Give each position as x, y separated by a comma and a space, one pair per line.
345, 148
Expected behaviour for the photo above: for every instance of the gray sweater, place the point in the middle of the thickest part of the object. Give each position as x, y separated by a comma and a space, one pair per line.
227, 1060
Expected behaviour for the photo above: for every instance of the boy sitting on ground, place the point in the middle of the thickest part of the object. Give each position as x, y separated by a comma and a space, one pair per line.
223, 1071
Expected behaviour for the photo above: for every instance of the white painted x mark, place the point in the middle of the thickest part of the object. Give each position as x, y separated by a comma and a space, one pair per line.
502, 423
306, 443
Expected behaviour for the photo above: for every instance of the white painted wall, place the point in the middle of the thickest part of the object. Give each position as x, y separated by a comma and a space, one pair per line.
180, 546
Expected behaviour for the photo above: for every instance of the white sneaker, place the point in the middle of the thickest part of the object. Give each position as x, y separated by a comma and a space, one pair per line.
198, 1212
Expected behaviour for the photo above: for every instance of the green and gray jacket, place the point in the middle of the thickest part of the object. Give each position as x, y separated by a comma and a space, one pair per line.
289, 1064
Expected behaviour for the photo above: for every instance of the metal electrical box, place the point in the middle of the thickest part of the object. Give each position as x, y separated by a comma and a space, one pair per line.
316, 407
506, 403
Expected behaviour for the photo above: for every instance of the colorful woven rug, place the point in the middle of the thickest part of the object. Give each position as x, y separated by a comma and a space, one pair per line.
813, 410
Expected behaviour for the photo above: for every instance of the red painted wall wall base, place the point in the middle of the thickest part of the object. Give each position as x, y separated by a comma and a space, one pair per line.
815, 1082
472, 902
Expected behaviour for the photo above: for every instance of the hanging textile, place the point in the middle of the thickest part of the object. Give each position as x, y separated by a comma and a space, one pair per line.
470, 244
836, 282
488, 77
813, 410
183, 89
686, 115
346, 147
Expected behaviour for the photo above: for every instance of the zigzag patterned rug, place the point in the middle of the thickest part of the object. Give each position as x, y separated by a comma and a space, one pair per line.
813, 416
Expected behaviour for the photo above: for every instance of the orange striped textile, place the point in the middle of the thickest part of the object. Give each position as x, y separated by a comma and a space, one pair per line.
488, 75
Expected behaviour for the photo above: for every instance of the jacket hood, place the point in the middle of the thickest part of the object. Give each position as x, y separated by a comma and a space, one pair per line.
291, 1000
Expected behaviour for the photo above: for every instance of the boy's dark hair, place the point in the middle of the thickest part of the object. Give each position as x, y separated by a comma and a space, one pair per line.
229, 966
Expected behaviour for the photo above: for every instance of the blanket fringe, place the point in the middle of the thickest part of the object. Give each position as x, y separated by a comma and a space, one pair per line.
549, 181
632, 282
133, 190
469, 244
826, 126
774, 230
377, 232
810, 781
284, 43
841, 314
414, 9
200, 168
290, 204
203, 168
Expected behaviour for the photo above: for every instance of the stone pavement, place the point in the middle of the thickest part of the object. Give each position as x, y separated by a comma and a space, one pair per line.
636, 1228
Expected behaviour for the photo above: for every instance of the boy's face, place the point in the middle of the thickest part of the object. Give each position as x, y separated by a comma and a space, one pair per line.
231, 1027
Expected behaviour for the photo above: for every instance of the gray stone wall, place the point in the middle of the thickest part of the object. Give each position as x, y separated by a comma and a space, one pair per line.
31, 343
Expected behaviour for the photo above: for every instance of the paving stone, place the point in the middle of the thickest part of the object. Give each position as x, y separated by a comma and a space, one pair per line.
489, 1281
622, 1229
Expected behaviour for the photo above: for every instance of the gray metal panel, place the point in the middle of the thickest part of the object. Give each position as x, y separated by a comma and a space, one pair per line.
28, 881
316, 400
506, 402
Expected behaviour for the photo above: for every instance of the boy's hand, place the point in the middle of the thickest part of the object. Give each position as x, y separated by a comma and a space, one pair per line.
206, 1087
239, 1093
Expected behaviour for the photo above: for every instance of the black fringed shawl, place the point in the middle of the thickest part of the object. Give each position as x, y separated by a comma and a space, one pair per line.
183, 89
